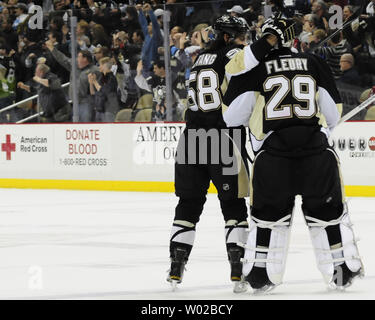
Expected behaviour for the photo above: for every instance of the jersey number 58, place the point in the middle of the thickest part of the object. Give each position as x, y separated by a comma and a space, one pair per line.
206, 95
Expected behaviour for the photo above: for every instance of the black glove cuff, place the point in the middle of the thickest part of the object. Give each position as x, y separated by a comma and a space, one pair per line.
261, 48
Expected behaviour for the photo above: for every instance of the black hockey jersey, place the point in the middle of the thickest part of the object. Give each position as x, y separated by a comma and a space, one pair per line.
7, 78
285, 90
205, 94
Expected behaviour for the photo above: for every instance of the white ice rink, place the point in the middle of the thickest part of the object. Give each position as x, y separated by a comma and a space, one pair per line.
114, 245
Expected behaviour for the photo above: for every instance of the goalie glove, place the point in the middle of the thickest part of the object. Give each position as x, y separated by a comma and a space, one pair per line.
283, 29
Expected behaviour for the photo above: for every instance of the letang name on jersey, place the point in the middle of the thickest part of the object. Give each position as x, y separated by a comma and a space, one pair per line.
205, 60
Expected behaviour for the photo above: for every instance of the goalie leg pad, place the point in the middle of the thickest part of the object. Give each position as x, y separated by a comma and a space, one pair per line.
330, 255
273, 256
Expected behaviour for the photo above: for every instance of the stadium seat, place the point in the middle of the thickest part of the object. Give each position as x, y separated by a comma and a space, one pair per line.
124, 115
144, 101
143, 115
370, 115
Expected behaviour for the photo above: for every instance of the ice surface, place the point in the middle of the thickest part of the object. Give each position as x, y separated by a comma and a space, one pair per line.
58, 244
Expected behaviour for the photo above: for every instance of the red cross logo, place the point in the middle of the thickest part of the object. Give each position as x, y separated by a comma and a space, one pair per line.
8, 147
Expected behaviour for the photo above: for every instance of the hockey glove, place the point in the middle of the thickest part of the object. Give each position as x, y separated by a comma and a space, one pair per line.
283, 29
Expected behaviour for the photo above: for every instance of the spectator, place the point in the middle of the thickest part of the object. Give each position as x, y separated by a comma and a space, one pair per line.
159, 14
138, 37
319, 8
7, 83
21, 15
196, 38
61, 5
56, 38
317, 37
353, 33
258, 25
175, 30
99, 53
82, 32
29, 51
8, 33
85, 66
235, 11
251, 13
333, 52
309, 24
347, 13
104, 91
128, 54
130, 23
156, 85
99, 37
52, 99
56, 23
153, 38
4, 14
349, 72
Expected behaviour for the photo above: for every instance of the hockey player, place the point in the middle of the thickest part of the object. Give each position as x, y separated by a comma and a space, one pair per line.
7, 83
192, 179
290, 102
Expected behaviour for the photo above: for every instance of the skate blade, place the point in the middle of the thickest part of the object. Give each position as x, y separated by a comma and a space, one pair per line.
174, 284
240, 286
264, 290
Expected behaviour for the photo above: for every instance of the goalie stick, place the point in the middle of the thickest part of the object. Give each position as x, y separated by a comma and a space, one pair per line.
357, 109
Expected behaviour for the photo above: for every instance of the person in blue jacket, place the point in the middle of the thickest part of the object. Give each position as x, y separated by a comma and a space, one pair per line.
153, 37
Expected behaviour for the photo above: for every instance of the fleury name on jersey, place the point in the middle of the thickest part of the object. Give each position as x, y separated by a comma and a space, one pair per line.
286, 64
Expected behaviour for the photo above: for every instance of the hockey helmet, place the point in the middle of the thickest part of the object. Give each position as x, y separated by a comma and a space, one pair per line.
230, 25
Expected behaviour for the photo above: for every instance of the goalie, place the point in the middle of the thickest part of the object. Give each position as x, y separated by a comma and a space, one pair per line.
290, 102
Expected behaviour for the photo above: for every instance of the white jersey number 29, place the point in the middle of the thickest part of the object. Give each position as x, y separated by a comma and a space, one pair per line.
303, 90
207, 95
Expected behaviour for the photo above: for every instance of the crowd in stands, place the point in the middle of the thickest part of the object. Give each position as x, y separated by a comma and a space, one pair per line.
121, 74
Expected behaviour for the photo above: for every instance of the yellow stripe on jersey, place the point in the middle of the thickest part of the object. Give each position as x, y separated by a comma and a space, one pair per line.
224, 86
256, 119
339, 108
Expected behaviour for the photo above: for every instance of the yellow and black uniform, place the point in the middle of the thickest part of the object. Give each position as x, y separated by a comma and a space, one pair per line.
204, 118
200, 153
224, 157
290, 103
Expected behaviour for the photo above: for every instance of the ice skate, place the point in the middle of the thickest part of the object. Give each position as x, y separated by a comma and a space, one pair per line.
239, 284
176, 272
259, 281
343, 277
